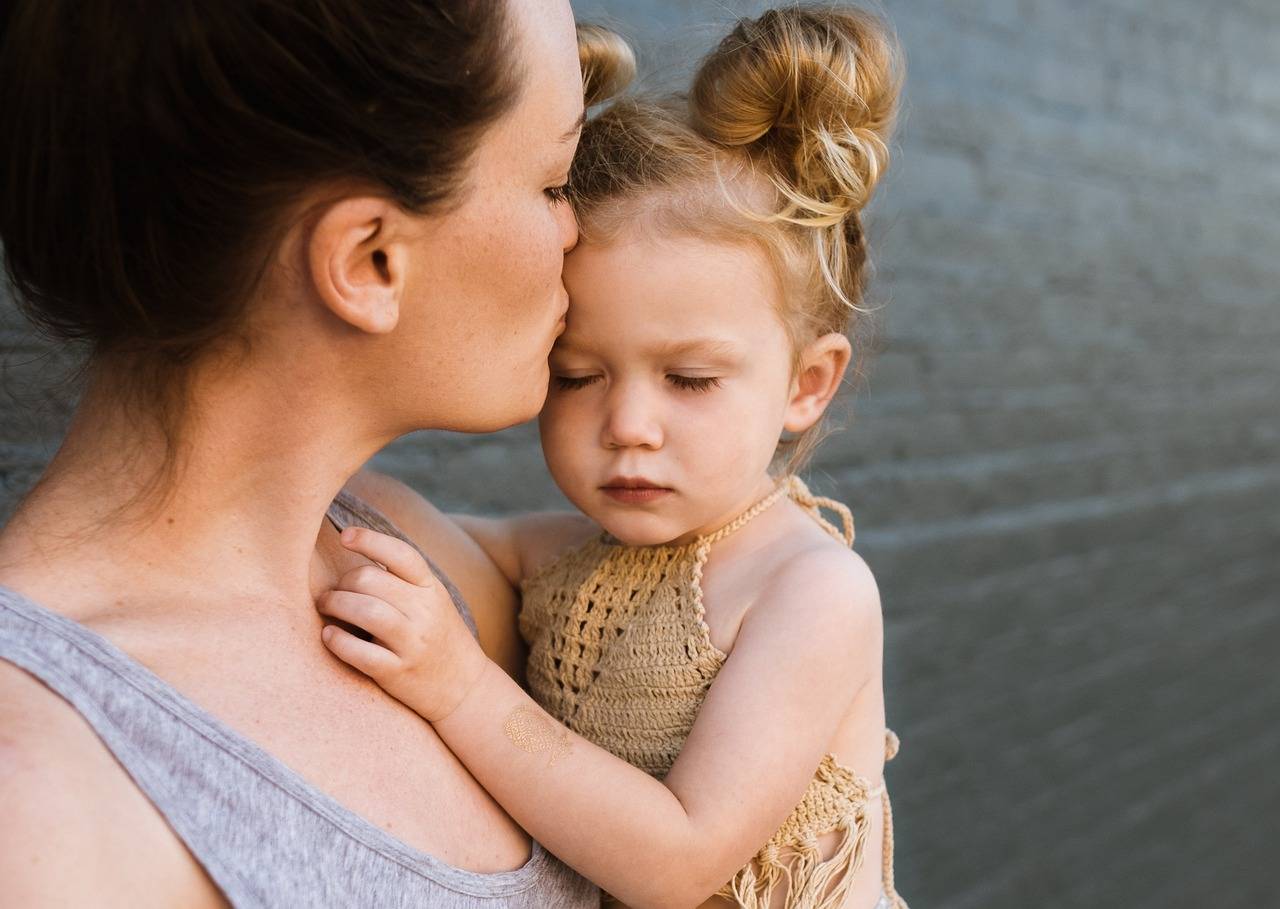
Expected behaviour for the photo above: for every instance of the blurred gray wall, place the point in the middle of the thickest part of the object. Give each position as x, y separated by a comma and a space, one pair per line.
1066, 464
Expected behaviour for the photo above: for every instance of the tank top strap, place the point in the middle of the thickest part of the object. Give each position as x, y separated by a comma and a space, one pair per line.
265, 835
347, 509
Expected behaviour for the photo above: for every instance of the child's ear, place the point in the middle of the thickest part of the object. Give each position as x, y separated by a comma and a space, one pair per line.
822, 366
357, 257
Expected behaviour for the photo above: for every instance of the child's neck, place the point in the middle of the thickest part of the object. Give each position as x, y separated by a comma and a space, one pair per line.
740, 507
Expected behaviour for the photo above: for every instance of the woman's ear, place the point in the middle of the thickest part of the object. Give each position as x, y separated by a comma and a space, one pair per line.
357, 257
822, 366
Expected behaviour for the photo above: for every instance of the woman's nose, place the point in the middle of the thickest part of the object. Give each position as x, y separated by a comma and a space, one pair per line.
631, 423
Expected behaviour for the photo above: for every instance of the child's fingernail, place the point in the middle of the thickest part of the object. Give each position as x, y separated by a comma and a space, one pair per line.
348, 534
326, 633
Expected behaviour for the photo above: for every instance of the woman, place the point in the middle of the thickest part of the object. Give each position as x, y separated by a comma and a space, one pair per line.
287, 233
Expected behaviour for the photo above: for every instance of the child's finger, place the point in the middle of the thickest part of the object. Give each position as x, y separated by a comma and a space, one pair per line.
374, 661
378, 617
402, 595
399, 557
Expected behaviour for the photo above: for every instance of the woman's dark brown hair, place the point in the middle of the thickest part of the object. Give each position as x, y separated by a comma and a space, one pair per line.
151, 152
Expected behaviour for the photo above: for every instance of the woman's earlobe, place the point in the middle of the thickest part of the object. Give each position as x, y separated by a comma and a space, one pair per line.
822, 367
357, 263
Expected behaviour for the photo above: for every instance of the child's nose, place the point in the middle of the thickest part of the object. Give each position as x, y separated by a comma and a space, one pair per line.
631, 423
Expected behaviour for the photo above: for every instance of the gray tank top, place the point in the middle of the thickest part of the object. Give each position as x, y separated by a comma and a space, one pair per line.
264, 835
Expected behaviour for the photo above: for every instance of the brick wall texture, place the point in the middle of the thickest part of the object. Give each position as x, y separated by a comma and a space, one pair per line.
1065, 464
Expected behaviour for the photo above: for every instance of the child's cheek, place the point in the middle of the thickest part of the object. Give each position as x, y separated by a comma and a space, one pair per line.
564, 434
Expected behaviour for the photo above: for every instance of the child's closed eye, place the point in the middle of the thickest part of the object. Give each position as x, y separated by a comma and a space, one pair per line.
687, 383
694, 383
569, 383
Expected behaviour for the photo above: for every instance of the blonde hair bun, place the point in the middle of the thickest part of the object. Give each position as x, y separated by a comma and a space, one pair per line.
608, 63
810, 94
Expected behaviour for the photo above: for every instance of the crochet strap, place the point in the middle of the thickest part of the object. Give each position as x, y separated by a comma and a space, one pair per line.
741, 520
891, 744
791, 485
814, 505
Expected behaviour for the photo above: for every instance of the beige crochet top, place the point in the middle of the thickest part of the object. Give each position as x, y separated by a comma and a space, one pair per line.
620, 652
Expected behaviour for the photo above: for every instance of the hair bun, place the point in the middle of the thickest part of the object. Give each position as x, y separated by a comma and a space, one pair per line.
608, 63
811, 93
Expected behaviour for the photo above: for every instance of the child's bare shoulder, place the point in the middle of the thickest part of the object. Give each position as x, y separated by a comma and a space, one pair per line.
815, 626
822, 588
826, 571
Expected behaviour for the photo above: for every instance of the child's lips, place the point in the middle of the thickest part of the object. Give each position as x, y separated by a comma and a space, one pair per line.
634, 491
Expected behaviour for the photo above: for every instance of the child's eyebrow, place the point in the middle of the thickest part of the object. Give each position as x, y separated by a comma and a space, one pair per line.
713, 348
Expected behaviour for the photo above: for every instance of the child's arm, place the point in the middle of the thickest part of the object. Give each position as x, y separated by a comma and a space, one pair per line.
520, 545
759, 736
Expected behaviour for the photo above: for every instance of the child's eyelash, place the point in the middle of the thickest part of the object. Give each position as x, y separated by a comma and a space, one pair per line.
568, 383
689, 383
694, 383
558, 194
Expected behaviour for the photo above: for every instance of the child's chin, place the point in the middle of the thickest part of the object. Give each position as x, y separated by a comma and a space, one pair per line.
641, 532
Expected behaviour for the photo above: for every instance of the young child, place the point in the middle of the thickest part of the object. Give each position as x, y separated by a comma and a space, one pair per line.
707, 716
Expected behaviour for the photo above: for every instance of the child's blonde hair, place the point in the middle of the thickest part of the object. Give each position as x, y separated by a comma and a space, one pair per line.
781, 142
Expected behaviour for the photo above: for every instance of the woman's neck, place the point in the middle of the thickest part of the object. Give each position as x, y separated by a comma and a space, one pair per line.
256, 469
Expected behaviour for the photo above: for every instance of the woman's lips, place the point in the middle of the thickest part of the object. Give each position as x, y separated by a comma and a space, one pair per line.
632, 493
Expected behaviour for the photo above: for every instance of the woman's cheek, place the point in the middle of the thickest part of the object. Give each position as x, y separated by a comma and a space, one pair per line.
533, 275
550, 249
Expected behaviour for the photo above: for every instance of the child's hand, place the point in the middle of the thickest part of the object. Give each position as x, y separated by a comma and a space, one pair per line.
424, 654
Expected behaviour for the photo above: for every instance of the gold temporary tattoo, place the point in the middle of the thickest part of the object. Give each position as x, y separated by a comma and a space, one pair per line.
533, 733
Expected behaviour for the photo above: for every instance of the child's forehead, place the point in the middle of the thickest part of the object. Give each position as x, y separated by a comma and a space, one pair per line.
669, 298
725, 207
643, 260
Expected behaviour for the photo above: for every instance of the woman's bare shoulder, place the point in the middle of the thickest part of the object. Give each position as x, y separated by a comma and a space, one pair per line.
521, 544
434, 532
485, 588
41, 736
77, 831
401, 503
537, 536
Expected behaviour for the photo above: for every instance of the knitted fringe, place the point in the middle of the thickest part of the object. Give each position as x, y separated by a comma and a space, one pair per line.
807, 877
